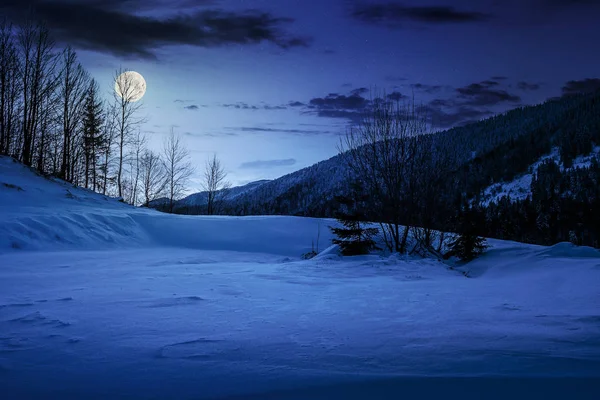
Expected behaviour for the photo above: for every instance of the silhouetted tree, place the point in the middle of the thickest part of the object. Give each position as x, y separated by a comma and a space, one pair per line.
354, 238
127, 94
93, 138
214, 184
467, 245
178, 168
378, 151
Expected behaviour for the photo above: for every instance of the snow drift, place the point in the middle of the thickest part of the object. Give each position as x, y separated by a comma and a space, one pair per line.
40, 213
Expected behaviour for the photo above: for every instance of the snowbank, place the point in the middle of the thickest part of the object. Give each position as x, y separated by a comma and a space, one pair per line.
39, 213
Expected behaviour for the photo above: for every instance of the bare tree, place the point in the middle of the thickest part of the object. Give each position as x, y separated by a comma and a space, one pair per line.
110, 135
127, 93
9, 87
178, 168
138, 144
429, 168
37, 81
93, 137
153, 176
73, 90
379, 152
48, 128
214, 184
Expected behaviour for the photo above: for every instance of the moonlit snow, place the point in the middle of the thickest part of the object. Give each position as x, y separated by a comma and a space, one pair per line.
102, 300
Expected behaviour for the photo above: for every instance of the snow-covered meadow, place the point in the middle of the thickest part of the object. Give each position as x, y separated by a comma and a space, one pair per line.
102, 300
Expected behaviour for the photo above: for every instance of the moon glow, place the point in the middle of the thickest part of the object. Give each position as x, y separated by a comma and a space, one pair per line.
130, 86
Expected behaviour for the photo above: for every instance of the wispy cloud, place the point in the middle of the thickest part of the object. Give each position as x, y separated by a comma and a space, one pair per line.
279, 130
528, 86
240, 105
266, 164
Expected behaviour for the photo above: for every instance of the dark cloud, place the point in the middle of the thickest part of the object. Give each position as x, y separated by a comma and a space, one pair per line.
351, 107
458, 116
396, 96
490, 83
336, 105
245, 106
296, 104
265, 164
392, 78
469, 103
113, 28
210, 134
335, 101
393, 14
484, 94
191, 107
528, 86
588, 85
268, 107
426, 88
359, 91
278, 130
240, 106
568, 3
465, 104
146, 5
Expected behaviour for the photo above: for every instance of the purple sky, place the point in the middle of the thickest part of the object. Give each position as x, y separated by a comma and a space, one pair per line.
269, 85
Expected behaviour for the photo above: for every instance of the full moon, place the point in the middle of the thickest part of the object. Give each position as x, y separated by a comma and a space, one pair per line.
130, 86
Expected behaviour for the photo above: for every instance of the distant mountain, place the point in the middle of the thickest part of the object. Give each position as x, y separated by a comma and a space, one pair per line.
200, 199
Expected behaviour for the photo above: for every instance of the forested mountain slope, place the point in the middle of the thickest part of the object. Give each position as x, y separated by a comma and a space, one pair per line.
478, 155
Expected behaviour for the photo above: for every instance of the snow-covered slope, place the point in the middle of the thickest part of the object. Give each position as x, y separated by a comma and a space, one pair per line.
520, 187
37, 213
119, 302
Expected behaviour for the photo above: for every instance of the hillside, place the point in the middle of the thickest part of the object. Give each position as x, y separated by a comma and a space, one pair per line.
47, 214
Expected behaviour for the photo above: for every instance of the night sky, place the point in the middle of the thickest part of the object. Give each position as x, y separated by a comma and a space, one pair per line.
269, 85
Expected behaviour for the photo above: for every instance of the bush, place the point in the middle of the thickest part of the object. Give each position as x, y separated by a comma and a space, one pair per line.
467, 247
354, 238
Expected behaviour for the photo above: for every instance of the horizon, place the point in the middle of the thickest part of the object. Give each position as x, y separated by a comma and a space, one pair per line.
270, 90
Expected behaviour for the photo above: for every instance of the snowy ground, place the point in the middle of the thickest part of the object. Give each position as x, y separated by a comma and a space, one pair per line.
100, 300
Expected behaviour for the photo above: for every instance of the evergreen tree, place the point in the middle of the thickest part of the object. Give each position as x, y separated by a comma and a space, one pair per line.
467, 245
354, 238
93, 140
